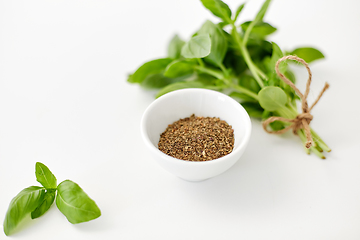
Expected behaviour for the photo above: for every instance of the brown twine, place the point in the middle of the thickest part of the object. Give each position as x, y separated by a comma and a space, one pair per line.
302, 120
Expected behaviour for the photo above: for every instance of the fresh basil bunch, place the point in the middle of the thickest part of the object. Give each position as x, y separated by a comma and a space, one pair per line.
71, 200
235, 59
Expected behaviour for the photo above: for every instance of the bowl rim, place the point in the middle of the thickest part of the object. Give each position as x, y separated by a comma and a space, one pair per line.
155, 150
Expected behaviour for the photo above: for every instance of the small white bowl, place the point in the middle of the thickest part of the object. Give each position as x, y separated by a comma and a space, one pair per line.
202, 102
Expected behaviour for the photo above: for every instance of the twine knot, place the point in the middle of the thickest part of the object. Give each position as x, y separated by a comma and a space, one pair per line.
298, 121
302, 120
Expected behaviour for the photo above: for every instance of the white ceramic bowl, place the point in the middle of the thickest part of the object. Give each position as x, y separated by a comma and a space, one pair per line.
207, 103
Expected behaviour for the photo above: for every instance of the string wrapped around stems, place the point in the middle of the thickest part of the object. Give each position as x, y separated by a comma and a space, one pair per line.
302, 120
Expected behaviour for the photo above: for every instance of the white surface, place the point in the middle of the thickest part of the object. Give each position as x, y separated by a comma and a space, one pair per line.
201, 102
64, 101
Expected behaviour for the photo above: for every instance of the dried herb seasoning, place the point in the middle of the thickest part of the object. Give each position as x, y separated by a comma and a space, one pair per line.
197, 138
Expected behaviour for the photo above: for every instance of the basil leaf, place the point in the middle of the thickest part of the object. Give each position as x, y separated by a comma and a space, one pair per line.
48, 200
149, 68
174, 48
260, 15
45, 176
75, 204
250, 83
272, 98
273, 80
199, 46
218, 42
22, 204
308, 54
276, 55
290, 75
276, 125
241, 97
238, 11
179, 85
253, 109
155, 81
234, 61
179, 68
208, 80
289, 90
259, 49
260, 29
266, 114
257, 19
219, 9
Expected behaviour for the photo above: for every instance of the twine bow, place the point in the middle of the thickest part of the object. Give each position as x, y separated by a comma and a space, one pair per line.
302, 120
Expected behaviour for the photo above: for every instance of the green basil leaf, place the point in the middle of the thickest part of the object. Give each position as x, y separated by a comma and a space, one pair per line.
260, 30
21, 205
273, 80
276, 55
289, 90
290, 75
48, 200
155, 81
275, 126
308, 54
257, 19
253, 109
218, 42
238, 11
75, 204
174, 48
149, 68
45, 176
207, 80
223, 24
250, 83
272, 98
234, 60
199, 46
266, 114
260, 15
259, 49
219, 9
180, 85
179, 68
241, 97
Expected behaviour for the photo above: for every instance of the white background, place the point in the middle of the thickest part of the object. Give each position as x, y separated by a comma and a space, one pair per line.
65, 102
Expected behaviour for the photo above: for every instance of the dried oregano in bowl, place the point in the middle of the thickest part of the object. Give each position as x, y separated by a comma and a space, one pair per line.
220, 127
197, 138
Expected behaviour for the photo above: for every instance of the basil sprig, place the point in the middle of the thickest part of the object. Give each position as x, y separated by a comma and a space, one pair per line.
71, 200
